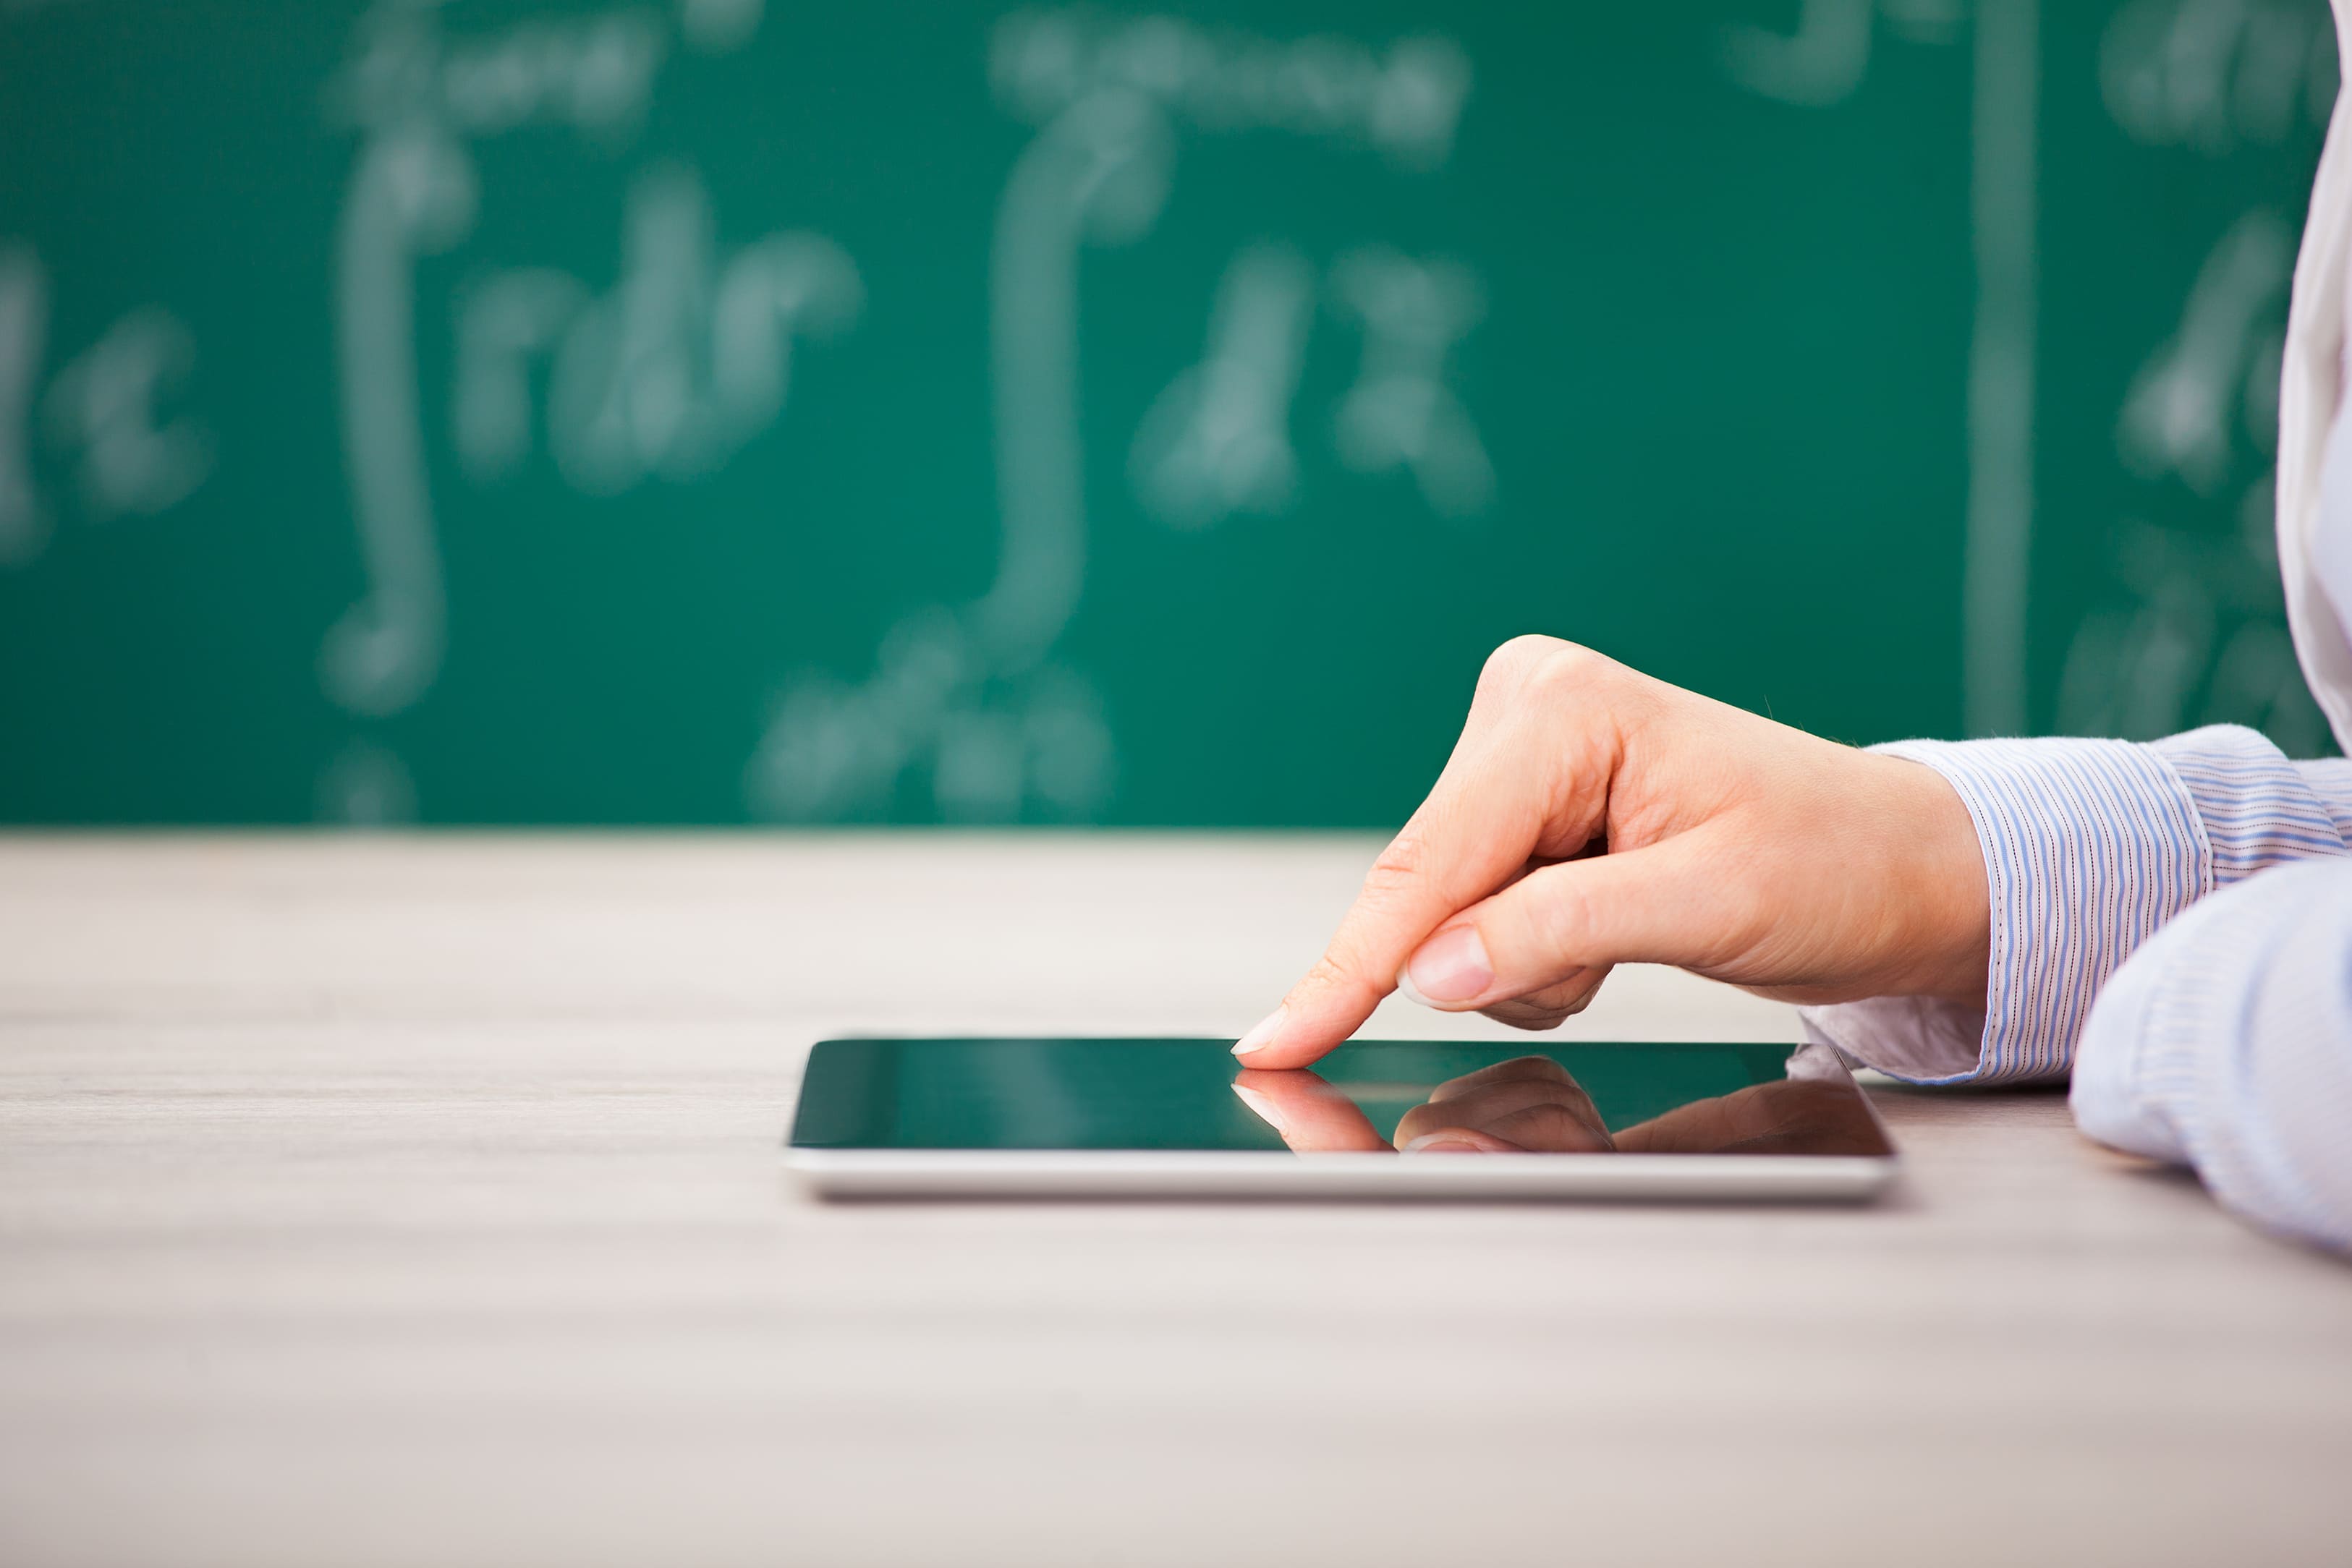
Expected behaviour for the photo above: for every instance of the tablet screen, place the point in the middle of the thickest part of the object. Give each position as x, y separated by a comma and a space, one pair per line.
1190, 1094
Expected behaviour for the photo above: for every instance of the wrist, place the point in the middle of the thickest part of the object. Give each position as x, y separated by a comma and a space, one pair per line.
1942, 887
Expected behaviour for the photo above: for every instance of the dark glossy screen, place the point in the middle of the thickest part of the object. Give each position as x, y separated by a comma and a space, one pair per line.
1175, 1094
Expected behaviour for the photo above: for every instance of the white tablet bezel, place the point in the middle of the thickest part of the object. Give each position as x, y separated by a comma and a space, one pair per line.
1210, 1173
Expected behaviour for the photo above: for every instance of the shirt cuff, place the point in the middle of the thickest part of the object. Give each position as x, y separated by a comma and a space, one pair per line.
2089, 846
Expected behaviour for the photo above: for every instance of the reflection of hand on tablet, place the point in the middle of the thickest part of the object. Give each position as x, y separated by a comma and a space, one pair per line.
1794, 1116
1527, 1106
1530, 1105
1312, 1117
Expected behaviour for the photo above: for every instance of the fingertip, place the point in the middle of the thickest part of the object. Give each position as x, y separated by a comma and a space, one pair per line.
1293, 1035
1262, 1033
1320, 1012
1282, 1054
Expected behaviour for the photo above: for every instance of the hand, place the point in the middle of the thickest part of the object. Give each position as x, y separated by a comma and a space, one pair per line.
1590, 816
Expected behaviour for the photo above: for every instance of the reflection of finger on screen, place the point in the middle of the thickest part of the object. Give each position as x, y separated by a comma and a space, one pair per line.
1312, 1116
1260, 1106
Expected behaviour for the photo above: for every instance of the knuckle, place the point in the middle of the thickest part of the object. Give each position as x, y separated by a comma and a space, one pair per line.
1544, 668
1531, 1066
1560, 923
1545, 1126
1569, 669
1509, 665
1398, 867
1331, 972
1415, 1122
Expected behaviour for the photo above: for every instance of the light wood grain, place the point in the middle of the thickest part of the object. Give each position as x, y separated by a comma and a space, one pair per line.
390, 1201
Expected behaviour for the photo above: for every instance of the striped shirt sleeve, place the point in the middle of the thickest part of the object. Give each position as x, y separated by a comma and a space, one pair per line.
2090, 848
2331, 784
2226, 1044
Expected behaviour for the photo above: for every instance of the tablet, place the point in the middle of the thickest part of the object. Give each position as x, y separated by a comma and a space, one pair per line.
1114, 1118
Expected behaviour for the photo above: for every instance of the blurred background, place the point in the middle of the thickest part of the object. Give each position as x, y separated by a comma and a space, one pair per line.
714, 411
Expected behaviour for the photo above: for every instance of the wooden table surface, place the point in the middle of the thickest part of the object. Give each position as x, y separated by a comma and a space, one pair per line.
416, 1200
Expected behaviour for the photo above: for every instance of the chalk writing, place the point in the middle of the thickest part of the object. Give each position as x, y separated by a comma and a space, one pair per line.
974, 696
24, 327
2178, 416
1400, 413
1406, 100
684, 360
2192, 629
970, 692
103, 403
2213, 73
719, 27
416, 97
1822, 62
671, 372
1217, 441
102, 413
366, 786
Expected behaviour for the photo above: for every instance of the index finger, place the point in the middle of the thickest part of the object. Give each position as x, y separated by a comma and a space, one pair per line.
1476, 830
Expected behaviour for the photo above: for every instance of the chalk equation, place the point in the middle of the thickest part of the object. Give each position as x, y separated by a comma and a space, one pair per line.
973, 699
1218, 441
1114, 292
663, 372
668, 373
666, 370
107, 419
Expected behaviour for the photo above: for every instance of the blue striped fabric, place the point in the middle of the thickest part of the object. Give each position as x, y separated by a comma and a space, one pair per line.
2257, 809
2095, 849
2226, 1044
2331, 781
2089, 846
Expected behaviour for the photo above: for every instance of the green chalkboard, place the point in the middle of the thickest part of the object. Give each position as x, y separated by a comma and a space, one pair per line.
717, 411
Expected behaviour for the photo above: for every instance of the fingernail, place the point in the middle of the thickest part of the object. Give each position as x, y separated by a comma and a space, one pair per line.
1442, 1144
1259, 1105
1451, 966
1259, 1038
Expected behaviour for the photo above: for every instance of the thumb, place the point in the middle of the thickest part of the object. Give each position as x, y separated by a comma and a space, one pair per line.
1661, 904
